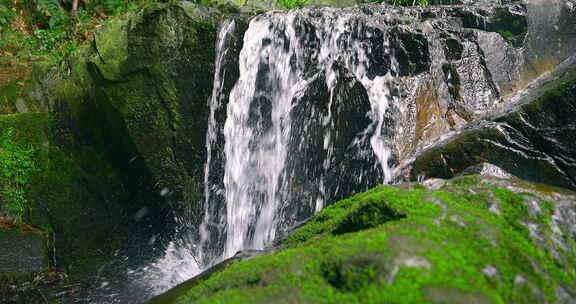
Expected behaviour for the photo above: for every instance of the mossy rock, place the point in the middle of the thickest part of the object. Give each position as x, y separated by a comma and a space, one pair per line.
135, 100
74, 192
116, 123
476, 239
139, 92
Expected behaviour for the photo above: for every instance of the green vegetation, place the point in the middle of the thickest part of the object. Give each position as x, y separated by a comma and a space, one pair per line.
6, 15
64, 186
109, 99
17, 165
293, 3
53, 29
468, 242
408, 2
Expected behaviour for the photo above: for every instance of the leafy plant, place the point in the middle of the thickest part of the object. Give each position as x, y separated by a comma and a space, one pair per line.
57, 16
17, 165
293, 3
6, 15
114, 6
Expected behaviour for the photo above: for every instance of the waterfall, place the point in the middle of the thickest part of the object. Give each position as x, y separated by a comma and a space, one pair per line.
285, 144
306, 109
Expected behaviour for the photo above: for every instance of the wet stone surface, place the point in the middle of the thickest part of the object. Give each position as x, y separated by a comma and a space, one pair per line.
22, 252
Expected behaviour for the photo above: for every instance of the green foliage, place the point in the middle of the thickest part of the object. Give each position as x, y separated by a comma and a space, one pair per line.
53, 30
58, 18
6, 15
17, 165
408, 2
115, 7
48, 40
293, 3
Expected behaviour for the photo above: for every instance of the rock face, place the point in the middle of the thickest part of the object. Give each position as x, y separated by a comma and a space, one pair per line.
139, 92
120, 123
74, 192
532, 139
381, 83
125, 119
158, 77
472, 239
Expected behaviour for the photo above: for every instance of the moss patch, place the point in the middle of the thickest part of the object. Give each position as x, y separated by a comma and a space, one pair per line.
471, 241
75, 192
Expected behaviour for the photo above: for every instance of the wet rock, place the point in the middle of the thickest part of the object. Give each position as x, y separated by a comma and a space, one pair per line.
341, 97
532, 139
486, 169
46, 286
452, 63
173, 294
139, 92
71, 191
147, 75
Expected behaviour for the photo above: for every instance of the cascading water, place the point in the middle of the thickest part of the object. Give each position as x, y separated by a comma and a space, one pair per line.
284, 139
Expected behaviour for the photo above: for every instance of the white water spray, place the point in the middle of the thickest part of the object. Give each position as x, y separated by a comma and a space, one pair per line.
271, 177
277, 67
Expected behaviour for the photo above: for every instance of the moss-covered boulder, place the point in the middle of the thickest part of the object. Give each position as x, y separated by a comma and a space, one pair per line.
155, 70
472, 239
137, 93
112, 127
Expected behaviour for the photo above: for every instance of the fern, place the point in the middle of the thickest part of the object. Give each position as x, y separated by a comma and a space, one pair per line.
17, 165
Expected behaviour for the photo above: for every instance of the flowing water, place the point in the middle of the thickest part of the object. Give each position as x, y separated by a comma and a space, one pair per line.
289, 137
308, 120
269, 166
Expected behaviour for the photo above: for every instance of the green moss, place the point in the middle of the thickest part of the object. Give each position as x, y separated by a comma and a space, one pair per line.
513, 28
293, 3
30, 126
464, 181
549, 97
9, 94
111, 46
75, 190
446, 247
